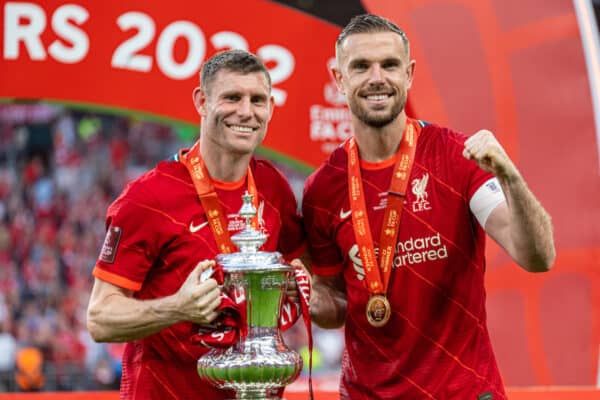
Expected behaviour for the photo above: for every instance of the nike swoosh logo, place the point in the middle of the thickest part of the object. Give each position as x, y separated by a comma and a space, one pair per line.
345, 214
196, 228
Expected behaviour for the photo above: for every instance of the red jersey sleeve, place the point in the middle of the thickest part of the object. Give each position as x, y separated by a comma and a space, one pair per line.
131, 243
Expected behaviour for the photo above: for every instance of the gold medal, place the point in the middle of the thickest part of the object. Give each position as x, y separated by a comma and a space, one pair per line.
378, 310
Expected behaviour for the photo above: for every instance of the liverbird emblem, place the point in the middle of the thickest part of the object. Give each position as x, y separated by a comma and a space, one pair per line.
419, 187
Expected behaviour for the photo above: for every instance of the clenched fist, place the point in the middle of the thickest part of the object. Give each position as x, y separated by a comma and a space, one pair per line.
486, 151
197, 300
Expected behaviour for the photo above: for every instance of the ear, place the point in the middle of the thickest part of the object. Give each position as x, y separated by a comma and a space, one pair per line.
199, 98
337, 77
410, 72
271, 106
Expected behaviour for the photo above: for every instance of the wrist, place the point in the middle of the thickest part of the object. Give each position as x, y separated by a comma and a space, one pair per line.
168, 310
509, 175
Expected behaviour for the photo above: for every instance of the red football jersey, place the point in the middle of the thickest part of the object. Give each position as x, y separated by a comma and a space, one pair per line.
157, 234
436, 343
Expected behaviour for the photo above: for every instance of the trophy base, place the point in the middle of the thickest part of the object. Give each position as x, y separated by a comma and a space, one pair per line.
256, 395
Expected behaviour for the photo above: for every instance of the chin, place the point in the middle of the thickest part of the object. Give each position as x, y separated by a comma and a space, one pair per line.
377, 121
243, 149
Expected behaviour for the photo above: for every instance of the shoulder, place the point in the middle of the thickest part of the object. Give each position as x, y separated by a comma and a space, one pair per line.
265, 170
440, 146
167, 175
440, 152
269, 179
154, 187
436, 134
271, 182
330, 176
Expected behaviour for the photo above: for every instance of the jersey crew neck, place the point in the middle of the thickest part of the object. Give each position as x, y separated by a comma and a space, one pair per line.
225, 185
373, 166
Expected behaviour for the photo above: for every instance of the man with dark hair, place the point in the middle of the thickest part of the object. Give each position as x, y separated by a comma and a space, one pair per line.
166, 227
369, 23
396, 221
235, 61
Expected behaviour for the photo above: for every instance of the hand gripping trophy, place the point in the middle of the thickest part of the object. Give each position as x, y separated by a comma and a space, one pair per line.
259, 363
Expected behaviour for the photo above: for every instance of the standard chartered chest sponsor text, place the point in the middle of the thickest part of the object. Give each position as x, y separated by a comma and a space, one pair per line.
408, 252
420, 250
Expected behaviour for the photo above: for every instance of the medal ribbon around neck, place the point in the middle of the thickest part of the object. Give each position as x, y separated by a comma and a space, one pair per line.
378, 275
210, 201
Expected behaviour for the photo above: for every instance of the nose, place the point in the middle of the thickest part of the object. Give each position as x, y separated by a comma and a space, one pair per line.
244, 109
375, 74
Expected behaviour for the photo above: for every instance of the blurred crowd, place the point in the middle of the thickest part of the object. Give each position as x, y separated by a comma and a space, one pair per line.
59, 170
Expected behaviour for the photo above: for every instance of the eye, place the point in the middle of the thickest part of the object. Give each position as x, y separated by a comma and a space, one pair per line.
360, 66
232, 97
258, 100
390, 64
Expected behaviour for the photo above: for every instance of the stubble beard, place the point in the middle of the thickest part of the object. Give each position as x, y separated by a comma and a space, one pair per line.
374, 120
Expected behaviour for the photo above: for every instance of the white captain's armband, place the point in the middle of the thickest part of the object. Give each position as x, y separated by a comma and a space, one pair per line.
485, 199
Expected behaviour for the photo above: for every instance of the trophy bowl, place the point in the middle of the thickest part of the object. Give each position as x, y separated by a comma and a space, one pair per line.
259, 364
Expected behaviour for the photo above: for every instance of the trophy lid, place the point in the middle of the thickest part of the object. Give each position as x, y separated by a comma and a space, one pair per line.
249, 241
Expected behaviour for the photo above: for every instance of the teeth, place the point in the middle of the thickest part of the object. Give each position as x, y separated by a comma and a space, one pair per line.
239, 128
377, 97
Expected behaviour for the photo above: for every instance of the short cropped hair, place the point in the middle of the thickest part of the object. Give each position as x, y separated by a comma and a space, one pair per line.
239, 61
369, 23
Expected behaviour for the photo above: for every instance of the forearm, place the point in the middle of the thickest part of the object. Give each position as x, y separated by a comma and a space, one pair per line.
529, 227
327, 306
121, 319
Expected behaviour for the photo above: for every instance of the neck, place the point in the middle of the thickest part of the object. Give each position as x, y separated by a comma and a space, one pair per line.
379, 144
222, 165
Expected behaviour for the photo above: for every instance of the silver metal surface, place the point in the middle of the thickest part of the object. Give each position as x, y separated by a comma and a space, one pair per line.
260, 363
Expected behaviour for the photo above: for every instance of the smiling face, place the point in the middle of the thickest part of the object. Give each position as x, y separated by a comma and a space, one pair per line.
374, 73
235, 109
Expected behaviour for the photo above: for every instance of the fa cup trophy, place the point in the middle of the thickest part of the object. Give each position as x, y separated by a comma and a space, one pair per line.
259, 363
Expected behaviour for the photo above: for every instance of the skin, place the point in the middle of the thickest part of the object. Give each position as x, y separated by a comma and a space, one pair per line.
373, 65
378, 64
235, 112
521, 225
114, 315
232, 103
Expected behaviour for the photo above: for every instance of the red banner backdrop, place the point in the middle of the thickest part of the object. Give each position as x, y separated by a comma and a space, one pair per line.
513, 66
145, 56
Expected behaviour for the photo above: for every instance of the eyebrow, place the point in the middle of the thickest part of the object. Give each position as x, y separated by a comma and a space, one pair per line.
395, 59
392, 59
359, 61
236, 92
